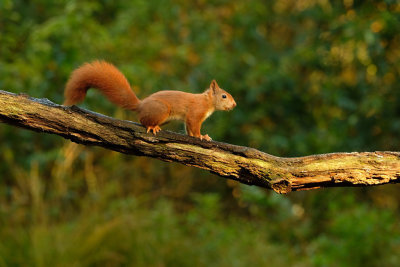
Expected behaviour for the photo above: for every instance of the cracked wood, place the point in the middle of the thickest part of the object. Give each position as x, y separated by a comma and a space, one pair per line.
244, 164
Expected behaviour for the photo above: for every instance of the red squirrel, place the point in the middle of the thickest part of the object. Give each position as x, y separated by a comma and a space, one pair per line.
153, 110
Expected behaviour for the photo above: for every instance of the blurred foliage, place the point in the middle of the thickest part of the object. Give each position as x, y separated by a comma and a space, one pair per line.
309, 76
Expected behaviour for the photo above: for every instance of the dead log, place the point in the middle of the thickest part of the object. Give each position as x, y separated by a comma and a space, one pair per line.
244, 164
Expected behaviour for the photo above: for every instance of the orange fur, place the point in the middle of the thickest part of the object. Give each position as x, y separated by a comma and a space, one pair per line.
154, 110
103, 76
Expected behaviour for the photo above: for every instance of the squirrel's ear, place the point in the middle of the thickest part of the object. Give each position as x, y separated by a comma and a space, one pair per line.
214, 86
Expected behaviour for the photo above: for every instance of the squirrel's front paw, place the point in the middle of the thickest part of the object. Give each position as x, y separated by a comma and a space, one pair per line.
205, 137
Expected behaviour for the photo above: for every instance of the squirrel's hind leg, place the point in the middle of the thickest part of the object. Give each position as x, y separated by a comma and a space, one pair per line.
152, 114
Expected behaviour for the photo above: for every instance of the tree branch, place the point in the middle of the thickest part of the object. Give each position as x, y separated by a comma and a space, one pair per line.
244, 164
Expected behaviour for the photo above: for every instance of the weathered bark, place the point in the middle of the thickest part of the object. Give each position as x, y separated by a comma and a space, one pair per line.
244, 164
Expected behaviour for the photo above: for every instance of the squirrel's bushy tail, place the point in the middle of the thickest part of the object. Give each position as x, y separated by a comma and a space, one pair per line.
104, 77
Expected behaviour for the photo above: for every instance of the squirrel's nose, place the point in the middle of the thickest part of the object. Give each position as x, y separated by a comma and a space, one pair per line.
234, 104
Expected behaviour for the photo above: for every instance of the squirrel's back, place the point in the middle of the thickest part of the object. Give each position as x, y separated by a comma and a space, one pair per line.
104, 77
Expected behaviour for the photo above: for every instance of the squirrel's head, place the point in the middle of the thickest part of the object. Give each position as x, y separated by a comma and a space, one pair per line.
222, 99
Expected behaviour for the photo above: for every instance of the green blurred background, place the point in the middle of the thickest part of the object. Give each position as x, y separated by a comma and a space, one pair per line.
309, 76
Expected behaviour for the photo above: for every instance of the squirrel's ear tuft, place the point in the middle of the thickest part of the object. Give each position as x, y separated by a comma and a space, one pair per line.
214, 86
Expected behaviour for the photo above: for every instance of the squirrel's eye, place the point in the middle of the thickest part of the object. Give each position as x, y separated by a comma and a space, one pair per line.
223, 96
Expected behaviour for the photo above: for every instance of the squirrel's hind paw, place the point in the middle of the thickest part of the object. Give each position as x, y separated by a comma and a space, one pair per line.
154, 129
